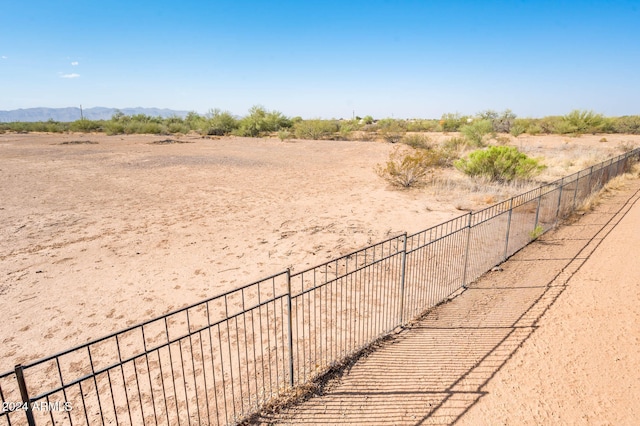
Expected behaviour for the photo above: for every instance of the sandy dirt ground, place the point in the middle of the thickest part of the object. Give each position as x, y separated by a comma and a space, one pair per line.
98, 236
551, 339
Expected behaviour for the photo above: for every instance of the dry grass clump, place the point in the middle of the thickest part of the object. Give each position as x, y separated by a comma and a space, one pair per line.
626, 146
616, 184
406, 169
569, 158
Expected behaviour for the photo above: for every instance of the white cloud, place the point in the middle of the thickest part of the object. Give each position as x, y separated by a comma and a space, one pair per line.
4, 57
72, 75
75, 63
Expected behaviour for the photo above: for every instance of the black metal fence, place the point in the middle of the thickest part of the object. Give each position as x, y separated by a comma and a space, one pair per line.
222, 359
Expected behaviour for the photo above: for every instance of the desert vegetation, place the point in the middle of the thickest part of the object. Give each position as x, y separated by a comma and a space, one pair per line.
484, 146
499, 164
260, 121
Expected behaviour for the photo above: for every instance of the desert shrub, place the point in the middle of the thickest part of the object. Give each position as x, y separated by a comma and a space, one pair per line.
177, 128
196, 122
49, 126
413, 167
476, 131
406, 169
347, 127
455, 144
132, 127
422, 125
536, 233
364, 136
626, 146
499, 164
502, 140
391, 130
113, 128
504, 121
580, 121
534, 129
517, 129
444, 156
501, 122
367, 119
628, 124
548, 124
315, 129
284, 135
151, 127
416, 140
260, 121
564, 128
452, 122
85, 126
219, 123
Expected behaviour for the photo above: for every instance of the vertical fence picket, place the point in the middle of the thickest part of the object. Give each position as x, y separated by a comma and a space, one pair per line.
24, 393
506, 242
402, 279
289, 328
466, 252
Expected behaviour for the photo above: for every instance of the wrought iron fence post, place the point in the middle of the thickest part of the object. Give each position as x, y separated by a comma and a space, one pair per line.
506, 243
290, 333
466, 255
402, 278
559, 200
575, 193
24, 394
535, 224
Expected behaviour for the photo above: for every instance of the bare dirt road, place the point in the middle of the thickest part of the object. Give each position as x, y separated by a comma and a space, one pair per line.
553, 338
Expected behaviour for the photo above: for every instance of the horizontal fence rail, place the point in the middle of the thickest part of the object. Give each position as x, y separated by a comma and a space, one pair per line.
218, 361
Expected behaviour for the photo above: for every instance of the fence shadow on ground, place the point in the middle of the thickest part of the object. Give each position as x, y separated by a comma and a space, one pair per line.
436, 370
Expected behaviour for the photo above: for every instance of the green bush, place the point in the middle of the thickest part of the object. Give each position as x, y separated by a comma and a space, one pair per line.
177, 128
476, 131
628, 124
579, 122
85, 126
113, 128
548, 124
517, 129
391, 130
260, 121
452, 122
315, 129
219, 123
346, 129
151, 127
499, 164
422, 125
284, 135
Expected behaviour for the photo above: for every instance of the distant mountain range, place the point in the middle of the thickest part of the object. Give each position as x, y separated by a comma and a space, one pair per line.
73, 113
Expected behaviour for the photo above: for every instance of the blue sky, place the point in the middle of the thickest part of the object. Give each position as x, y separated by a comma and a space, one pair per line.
323, 59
